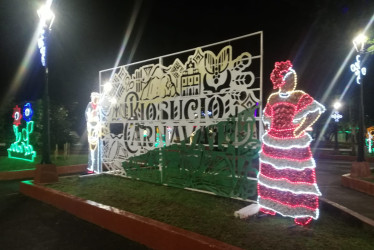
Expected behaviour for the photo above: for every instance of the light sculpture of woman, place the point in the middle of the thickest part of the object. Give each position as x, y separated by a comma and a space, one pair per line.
287, 180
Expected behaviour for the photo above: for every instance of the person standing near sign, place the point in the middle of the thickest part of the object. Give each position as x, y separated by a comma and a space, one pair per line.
93, 132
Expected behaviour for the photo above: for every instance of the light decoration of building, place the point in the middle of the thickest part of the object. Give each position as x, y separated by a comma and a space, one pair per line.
21, 148
336, 116
356, 68
287, 181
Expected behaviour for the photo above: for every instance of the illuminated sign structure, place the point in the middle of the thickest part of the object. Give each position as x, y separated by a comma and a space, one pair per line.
175, 100
164, 113
21, 148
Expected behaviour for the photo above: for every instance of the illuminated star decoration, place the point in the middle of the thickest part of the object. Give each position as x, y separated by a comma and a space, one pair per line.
17, 116
336, 116
356, 68
27, 112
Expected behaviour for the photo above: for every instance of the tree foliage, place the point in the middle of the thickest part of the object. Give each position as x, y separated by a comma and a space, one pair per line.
6, 123
371, 47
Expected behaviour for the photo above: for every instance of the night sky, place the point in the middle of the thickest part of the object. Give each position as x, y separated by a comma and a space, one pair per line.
86, 37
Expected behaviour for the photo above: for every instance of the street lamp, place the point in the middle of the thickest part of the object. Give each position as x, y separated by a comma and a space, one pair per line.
337, 105
46, 20
360, 168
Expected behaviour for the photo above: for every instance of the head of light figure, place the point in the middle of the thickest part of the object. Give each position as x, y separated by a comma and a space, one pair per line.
27, 112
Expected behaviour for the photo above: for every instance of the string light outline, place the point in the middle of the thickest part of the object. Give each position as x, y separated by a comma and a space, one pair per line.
22, 142
289, 190
274, 139
297, 216
313, 202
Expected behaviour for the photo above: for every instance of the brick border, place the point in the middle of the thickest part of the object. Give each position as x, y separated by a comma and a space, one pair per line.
358, 184
152, 233
29, 174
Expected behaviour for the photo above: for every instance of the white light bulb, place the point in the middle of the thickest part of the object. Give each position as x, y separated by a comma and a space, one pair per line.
108, 87
113, 100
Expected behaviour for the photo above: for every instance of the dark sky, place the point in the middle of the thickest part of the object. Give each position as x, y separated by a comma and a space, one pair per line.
86, 37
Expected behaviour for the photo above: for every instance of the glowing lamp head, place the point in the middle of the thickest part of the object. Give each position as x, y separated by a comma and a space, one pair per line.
337, 105
359, 42
46, 15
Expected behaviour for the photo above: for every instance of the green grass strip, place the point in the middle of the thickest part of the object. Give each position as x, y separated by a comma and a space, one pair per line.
9, 164
213, 216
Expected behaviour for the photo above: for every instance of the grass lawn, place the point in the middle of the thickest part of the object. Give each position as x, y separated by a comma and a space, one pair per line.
8, 164
213, 216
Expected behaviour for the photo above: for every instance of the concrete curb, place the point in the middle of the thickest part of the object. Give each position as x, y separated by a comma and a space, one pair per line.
29, 174
152, 233
335, 206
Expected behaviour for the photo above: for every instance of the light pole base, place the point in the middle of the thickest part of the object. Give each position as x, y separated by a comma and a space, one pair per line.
360, 169
45, 173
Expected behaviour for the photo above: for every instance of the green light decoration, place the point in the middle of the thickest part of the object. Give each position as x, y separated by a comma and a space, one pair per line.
369, 139
369, 145
213, 159
21, 148
158, 139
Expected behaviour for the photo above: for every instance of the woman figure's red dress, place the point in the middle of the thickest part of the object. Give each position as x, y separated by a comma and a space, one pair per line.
287, 180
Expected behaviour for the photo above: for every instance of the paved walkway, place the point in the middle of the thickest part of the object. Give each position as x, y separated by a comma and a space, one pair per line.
26, 223
329, 174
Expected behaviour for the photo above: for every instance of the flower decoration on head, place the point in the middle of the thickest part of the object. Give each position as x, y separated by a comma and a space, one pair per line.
278, 73
17, 116
27, 112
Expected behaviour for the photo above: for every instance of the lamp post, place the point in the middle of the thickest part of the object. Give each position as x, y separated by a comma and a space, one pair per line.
46, 20
360, 168
336, 116
359, 44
